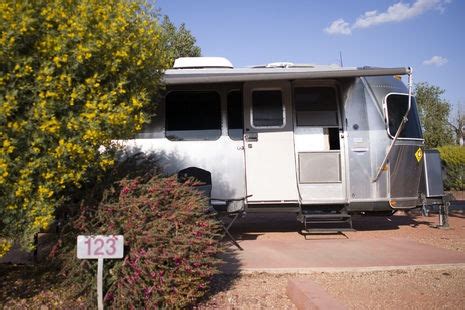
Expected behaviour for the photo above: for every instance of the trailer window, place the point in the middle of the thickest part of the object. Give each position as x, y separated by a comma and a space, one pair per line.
316, 106
267, 108
193, 115
397, 105
235, 115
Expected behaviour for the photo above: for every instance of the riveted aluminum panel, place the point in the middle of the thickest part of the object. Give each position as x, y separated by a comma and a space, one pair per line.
405, 173
359, 148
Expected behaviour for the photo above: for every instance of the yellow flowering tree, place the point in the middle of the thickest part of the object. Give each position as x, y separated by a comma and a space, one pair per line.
74, 74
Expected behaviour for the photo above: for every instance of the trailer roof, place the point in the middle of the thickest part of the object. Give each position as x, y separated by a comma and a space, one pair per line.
221, 75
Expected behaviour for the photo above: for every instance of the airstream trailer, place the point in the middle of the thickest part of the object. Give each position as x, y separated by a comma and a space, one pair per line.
316, 140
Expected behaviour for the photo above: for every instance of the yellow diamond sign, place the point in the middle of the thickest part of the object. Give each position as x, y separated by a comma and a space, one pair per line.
419, 154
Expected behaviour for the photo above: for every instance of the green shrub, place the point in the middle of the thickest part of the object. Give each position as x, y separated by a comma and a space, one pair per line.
170, 244
453, 157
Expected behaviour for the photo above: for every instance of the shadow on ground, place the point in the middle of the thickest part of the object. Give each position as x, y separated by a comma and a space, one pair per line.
365, 223
25, 281
254, 225
222, 281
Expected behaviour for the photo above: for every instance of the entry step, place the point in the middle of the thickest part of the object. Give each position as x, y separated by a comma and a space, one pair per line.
326, 215
320, 231
321, 223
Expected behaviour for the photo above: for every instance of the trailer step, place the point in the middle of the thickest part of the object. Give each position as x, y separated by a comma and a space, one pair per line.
326, 215
322, 223
320, 231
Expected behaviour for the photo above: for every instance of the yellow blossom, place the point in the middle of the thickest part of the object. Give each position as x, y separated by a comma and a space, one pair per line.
42, 222
6, 144
73, 92
5, 246
44, 192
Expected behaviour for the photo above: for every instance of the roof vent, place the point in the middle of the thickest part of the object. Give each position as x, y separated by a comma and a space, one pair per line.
280, 65
202, 63
284, 65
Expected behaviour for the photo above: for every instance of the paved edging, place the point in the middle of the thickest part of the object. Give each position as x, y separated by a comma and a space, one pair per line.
343, 269
306, 295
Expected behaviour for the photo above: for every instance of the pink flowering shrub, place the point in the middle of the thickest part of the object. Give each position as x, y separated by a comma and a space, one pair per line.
170, 245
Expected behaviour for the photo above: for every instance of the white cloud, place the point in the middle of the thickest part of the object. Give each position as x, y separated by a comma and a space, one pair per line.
436, 61
338, 26
397, 12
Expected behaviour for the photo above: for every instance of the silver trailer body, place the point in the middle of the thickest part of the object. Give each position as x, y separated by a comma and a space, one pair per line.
288, 137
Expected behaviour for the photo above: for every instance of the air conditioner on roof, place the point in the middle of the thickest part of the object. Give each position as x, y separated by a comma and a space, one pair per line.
202, 62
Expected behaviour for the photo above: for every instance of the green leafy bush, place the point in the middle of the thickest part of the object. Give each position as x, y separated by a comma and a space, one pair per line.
73, 76
434, 113
453, 157
170, 244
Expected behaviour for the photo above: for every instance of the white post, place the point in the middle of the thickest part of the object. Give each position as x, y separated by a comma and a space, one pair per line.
100, 247
99, 283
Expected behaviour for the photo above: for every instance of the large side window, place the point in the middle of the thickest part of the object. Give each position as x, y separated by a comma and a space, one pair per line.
316, 106
267, 108
397, 105
193, 115
235, 115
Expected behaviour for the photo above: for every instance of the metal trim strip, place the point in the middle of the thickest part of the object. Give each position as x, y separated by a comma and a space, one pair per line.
189, 76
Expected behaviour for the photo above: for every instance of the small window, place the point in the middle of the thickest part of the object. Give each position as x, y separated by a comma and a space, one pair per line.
397, 105
316, 106
235, 115
193, 115
267, 108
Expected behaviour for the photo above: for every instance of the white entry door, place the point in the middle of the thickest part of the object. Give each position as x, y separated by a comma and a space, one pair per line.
269, 143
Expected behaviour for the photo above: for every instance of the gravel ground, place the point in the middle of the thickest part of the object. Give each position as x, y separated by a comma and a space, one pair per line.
394, 289
423, 288
255, 291
417, 289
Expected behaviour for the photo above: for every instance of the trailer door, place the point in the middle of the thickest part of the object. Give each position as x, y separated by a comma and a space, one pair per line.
318, 143
269, 143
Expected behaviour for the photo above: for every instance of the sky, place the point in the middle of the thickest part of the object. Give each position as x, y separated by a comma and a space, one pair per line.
428, 35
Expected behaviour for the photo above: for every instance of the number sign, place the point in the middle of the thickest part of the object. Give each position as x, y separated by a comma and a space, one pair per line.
89, 247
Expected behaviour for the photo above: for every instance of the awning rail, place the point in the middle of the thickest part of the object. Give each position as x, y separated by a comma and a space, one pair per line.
202, 76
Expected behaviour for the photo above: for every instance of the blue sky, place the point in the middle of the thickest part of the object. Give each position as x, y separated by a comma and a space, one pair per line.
425, 34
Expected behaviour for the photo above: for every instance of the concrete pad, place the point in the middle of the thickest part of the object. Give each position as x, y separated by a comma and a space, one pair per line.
307, 295
297, 255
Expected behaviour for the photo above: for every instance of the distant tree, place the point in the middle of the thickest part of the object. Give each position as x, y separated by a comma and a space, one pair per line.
434, 114
458, 126
179, 41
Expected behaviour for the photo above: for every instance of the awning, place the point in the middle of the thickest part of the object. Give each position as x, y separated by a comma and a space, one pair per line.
201, 76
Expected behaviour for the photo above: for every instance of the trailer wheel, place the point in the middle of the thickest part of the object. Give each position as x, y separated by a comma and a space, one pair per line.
204, 178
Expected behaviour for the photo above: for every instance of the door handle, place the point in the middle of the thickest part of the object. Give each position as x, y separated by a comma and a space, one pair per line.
251, 137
